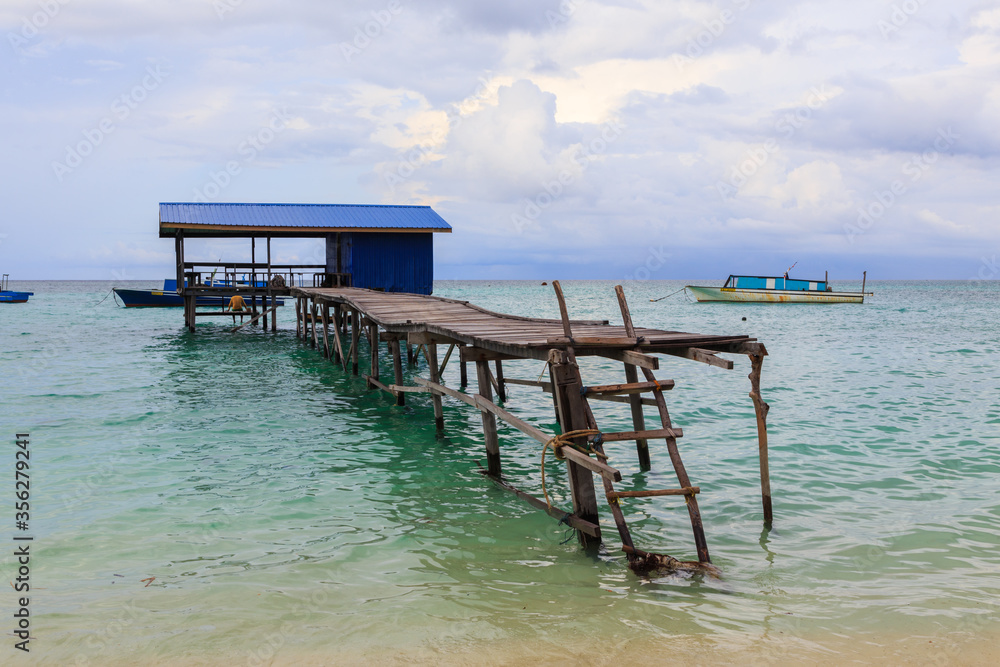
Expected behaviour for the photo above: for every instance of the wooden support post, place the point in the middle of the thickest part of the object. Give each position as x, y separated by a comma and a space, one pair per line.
501, 389
675, 457
566, 384
373, 349
315, 316
464, 380
489, 421
431, 351
337, 352
298, 318
263, 308
325, 309
638, 419
355, 339
397, 367
189, 311
761, 408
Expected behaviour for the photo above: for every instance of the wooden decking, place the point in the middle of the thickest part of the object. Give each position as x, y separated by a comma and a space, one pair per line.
339, 320
518, 337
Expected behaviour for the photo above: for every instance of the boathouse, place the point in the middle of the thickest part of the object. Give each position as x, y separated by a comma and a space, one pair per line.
385, 248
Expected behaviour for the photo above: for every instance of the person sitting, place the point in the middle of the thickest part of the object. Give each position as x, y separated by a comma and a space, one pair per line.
237, 305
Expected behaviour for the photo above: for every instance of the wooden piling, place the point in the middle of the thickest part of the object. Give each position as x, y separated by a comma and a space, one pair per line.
397, 367
501, 389
761, 408
373, 349
638, 419
298, 318
485, 337
337, 352
325, 309
314, 316
566, 386
432, 362
464, 371
489, 421
355, 339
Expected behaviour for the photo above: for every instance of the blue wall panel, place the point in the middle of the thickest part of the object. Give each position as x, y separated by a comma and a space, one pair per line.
391, 261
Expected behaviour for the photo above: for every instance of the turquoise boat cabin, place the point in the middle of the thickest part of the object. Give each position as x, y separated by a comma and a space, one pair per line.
777, 283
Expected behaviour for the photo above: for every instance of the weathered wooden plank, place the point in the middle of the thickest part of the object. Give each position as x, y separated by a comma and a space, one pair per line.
375, 382
630, 388
408, 389
650, 434
570, 520
655, 493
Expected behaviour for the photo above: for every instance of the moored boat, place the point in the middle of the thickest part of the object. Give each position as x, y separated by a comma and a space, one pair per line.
11, 296
169, 298
775, 289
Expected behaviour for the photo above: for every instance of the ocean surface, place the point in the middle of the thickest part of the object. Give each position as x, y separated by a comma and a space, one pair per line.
233, 498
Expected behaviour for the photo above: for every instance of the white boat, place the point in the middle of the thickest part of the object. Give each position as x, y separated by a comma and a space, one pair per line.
775, 289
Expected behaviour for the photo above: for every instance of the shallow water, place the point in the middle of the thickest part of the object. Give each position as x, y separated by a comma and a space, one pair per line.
285, 511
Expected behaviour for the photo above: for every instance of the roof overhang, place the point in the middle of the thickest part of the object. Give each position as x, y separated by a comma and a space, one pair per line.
191, 230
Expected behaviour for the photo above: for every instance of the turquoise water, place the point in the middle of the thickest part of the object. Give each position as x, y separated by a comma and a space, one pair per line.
287, 514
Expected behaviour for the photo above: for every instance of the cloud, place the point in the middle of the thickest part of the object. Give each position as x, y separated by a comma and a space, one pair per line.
480, 109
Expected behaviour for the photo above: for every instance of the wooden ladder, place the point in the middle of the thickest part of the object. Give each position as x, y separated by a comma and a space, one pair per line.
566, 380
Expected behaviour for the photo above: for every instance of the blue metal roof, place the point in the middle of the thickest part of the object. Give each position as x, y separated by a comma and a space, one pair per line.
309, 219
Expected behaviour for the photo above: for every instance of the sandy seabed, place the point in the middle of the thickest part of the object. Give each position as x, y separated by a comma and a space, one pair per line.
957, 648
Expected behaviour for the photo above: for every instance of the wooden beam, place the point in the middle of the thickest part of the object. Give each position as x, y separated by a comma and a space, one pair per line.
651, 434
570, 520
629, 357
468, 353
408, 389
248, 323
630, 388
487, 405
426, 338
704, 356
376, 383
654, 493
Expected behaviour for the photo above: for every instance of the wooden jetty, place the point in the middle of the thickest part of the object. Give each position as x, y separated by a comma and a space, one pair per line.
376, 282
335, 319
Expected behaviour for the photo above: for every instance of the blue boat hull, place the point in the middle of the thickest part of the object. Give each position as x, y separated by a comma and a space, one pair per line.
136, 298
8, 296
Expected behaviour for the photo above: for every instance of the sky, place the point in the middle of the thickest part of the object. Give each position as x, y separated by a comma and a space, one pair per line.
613, 139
